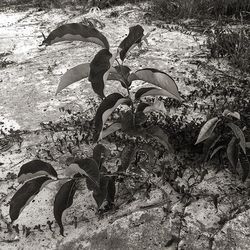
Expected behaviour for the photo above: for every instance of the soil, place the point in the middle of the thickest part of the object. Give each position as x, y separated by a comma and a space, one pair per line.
29, 78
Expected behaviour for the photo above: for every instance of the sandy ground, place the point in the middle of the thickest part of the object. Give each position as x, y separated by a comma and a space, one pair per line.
28, 84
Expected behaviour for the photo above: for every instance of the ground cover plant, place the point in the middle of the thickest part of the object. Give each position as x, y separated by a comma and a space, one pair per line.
132, 119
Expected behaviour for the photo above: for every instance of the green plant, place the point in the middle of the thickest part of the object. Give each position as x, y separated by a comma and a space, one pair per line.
222, 136
138, 156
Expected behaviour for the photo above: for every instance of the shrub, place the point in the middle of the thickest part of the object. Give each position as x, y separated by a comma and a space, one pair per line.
132, 119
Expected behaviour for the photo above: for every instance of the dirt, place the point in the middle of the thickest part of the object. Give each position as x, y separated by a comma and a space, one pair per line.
29, 77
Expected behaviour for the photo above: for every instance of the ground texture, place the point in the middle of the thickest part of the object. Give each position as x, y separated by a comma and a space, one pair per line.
217, 216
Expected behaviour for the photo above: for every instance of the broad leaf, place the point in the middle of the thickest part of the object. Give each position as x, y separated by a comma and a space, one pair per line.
238, 134
127, 156
160, 136
245, 164
111, 129
87, 167
105, 196
73, 75
108, 105
207, 129
35, 168
63, 200
233, 152
134, 37
157, 78
76, 32
121, 74
25, 195
151, 91
227, 112
99, 71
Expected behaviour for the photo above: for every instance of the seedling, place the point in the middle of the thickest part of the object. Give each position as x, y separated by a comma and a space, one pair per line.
132, 119
221, 135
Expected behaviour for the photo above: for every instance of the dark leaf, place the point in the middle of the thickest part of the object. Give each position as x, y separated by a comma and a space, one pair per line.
76, 32
100, 153
238, 134
157, 78
120, 74
245, 164
233, 152
104, 197
134, 37
99, 71
142, 106
89, 168
108, 105
207, 129
216, 150
26, 194
209, 144
63, 200
35, 168
73, 75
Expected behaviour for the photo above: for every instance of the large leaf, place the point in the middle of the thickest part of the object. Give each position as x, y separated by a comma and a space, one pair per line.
121, 74
108, 105
151, 91
245, 164
35, 168
238, 134
99, 71
76, 32
111, 129
157, 78
87, 167
26, 194
104, 197
160, 136
63, 200
233, 152
207, 129
134, 37
73, 75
